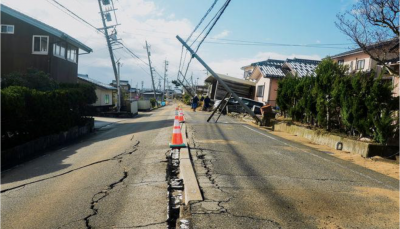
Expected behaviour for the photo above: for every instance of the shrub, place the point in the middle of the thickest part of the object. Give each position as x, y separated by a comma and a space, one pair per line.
33, 79
186, 99
153, 102
28, 113
359, 104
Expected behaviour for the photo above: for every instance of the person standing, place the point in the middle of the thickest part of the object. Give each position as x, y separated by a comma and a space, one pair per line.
207, 101
195, 101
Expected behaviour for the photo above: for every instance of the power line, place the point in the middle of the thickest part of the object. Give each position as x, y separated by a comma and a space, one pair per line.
214, 23
202, 19
83, 20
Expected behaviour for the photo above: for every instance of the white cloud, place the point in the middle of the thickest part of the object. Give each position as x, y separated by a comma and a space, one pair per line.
222, 34
318, 41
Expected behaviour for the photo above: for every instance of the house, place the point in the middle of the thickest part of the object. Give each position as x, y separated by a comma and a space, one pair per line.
243, 88
124, 84
134, 93
106, 94
28, 43
148, 94
266, 75
358, 60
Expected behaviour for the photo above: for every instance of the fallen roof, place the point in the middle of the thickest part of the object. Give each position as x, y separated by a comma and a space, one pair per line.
7, 10
95, 82
211, 78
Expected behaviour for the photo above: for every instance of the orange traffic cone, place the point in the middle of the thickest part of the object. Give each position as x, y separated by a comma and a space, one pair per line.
177, 141
181, 118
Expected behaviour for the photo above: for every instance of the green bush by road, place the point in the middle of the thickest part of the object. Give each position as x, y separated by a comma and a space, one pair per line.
29, 113
357, 104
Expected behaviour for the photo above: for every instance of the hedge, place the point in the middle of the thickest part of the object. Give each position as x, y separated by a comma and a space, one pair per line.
29, 113
358, 104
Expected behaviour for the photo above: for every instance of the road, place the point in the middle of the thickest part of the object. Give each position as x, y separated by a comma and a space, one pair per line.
253, 179
114, 178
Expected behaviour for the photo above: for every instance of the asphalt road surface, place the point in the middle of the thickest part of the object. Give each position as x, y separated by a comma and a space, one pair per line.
114, 178
253, 179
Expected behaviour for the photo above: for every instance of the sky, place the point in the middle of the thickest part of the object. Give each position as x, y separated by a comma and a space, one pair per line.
294, 22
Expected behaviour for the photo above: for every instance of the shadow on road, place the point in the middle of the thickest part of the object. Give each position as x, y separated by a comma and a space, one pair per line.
52, 161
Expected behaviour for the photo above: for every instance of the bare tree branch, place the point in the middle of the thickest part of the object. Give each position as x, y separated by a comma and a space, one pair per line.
374, 26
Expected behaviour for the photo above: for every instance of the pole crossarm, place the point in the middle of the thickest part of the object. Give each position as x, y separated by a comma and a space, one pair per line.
188, 91
194, 55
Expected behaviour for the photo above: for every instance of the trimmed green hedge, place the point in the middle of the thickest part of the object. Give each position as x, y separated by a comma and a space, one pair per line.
29, 113
359, 104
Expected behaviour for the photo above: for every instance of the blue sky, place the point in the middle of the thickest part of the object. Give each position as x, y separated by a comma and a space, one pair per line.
158, 21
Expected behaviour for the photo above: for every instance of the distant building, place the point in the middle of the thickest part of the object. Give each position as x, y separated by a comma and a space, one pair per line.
106, 94
124, 84
266, 74
28, 43
356, 60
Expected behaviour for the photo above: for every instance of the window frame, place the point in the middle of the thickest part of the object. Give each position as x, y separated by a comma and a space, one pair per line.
341, 62
13, 26
58, 44
107, 99
363, 64
72, 48
33, 45
258, 91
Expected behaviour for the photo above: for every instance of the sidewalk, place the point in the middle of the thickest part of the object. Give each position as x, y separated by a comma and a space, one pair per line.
252, 179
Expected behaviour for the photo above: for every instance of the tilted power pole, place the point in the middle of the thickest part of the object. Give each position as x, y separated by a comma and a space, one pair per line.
223, 84
108, 39
165, 77
151, 72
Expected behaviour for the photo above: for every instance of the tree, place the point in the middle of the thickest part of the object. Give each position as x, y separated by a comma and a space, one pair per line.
326, 74
374, 26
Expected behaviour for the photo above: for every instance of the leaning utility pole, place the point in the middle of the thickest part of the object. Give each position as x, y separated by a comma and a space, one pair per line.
223, 84
108, 39
165, 77
151, 71
119, 87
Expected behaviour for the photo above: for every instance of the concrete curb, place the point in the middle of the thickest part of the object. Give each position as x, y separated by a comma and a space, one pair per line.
191, 186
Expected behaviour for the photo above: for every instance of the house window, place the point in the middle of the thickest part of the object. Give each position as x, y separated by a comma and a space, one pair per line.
59, 50
360, 64
71, 54
40, 45
351, 66
260, 91
340, 62
7, 29
106, 99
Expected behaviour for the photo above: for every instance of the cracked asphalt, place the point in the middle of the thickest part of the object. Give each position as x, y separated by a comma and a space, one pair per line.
113, 178
253, 179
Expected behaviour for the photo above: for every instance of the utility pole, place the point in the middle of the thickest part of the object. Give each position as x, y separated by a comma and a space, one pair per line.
165, 76
110, 50
151, 72
119, 87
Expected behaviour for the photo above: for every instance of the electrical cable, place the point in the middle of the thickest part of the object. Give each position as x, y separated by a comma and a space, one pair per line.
202, 19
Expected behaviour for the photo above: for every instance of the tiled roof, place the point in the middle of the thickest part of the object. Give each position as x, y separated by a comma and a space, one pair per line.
272, 71
7, 10
95, 82
269, 61
270, 68
302, 67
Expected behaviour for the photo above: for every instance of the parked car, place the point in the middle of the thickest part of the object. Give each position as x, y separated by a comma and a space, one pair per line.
252, 104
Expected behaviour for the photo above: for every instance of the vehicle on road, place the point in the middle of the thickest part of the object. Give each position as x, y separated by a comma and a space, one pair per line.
232, 103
